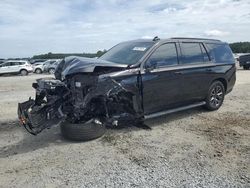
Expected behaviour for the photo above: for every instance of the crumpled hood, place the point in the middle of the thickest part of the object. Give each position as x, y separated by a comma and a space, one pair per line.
75, 64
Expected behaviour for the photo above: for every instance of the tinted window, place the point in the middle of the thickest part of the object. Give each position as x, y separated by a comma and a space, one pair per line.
221, 53
204, 53
127, 52
193, 53
15, 63
165, 55
6, 64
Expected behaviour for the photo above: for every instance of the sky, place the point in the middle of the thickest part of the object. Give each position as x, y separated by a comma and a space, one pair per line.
31, 27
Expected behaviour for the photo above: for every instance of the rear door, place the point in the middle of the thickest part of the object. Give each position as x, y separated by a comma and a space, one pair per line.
196, 69
161, 87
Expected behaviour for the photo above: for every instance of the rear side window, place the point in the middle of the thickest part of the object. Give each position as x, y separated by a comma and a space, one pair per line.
15, 63
165, 55
193, 53
220, 53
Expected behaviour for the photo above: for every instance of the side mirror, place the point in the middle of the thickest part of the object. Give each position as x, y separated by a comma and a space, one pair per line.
150, 65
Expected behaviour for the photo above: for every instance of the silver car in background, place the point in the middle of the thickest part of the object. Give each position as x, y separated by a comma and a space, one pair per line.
38, 67
50, 65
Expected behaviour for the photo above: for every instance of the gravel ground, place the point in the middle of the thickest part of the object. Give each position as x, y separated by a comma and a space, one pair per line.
195, 148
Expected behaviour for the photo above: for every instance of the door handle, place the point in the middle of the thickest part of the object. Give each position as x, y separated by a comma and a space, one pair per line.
209, 70
178, 73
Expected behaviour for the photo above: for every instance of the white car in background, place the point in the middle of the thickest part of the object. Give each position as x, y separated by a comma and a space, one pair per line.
38, 67
16, 67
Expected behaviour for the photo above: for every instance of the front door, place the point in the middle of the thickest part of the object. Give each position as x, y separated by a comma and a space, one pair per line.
160, 79
5, 68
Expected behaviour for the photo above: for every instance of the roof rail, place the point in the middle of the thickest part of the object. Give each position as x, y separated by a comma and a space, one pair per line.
196, 38
156, 38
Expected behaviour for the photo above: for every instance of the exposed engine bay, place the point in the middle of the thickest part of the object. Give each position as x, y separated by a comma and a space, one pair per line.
81, 94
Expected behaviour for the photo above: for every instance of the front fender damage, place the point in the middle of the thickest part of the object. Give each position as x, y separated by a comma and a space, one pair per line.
81, 98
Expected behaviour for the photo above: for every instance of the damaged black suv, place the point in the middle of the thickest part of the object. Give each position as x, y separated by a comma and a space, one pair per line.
133, 81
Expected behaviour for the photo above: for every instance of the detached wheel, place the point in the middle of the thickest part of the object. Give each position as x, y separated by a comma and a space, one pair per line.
215, 96
51, 71
82, 131
24, 72
38, 71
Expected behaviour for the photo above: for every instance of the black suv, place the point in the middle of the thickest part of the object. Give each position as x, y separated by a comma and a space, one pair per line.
133, 81
244, 61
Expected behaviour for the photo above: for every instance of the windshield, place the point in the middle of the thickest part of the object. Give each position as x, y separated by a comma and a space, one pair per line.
127, 52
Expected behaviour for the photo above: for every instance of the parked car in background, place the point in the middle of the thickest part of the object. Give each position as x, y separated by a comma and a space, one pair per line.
244, 61
133, 81
16, 67
50, 66
38, 67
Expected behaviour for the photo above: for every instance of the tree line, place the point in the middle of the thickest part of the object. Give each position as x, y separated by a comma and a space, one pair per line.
63, 55
240, 47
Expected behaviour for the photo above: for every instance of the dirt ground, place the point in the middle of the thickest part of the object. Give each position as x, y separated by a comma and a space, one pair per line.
194, 148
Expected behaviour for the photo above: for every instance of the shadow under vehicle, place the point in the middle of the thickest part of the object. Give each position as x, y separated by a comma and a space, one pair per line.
133, 81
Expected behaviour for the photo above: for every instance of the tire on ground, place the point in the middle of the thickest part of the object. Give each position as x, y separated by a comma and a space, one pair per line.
82, 131
24, 72
38, 71
208, 104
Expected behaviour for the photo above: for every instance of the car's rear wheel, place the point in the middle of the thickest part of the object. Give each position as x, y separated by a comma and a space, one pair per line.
38, 71
24, 72
215, 96
83, 131
51, 71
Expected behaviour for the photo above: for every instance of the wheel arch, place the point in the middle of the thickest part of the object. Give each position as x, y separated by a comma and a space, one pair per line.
23, 69
39, 69
223, 81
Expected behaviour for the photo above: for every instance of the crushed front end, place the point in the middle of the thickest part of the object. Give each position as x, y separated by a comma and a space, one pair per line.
46, 109
81, 97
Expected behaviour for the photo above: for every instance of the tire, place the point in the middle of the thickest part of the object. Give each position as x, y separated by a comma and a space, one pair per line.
245, 67
38, 71
215, 96
51, 71
82, 131
24, 72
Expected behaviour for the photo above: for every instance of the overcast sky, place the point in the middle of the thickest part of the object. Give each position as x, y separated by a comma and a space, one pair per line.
29, 27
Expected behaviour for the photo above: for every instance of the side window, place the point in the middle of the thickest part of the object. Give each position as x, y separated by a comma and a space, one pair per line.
14, 63
6, 64
204, 53
165, 55
221, 53
193, 53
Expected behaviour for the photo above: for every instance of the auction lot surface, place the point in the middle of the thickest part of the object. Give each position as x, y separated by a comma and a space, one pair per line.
195, 148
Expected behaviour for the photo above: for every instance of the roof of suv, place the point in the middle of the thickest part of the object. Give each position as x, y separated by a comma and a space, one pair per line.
179, 39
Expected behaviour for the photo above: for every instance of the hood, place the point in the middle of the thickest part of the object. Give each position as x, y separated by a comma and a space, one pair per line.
74, 64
